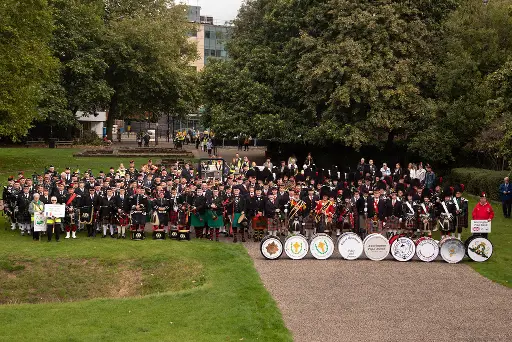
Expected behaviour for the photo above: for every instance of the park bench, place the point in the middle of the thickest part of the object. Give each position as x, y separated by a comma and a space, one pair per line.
34, 143
63, 143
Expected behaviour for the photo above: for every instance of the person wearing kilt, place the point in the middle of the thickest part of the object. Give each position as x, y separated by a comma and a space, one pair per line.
272, 214
346, 213
446, 214
72, 202
364, 206
395, 215
121, 208
409, 210
426, 215
379, 213
87, 204
107, 206
258, 221
461, 210
324, 212
295, 216
161, 208
214, 214
185, 200
174, 208
23, 203
197, 213
138, 204
237, 210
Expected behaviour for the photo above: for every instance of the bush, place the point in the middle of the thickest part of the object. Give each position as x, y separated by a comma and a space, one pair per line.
90, 138
478, 180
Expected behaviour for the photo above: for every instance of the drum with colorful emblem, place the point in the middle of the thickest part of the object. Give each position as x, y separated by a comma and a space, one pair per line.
350, 246
427, 249
478, 248
403, 249
321, 246
452, 250
296, 246
376, 247
271, 247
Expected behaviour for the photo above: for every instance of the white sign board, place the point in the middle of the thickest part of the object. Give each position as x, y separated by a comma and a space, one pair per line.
480, 226
54, 210
39, 222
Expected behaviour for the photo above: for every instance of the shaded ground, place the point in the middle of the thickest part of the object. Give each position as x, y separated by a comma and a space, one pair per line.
362, 300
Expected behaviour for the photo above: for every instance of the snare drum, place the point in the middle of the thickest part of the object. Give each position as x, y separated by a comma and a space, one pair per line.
350, 246
296, 246
321, 246
452, 250
271, 247
159, 234
376, 247
427, 249
403, 249
478, 248
173, 234
184, 235
138, 235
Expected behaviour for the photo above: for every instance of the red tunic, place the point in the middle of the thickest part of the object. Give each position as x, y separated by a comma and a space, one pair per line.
483, 212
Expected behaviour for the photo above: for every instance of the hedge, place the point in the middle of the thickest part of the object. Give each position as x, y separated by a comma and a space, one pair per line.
477, 180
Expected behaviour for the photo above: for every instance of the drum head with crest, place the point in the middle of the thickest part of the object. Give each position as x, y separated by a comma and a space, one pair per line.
427, 249
350, 246
403, 249
271, 247
394, 237
376, 247
296, 246
321, 246
452, 250
479, 249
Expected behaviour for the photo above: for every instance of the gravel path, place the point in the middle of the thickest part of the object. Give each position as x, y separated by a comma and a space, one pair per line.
363, 300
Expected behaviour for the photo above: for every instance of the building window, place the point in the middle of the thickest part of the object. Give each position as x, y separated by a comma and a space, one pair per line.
207, 34
217, 53
212, 53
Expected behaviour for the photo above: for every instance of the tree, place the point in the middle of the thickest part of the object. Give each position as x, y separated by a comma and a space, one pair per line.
26, 63
147, 51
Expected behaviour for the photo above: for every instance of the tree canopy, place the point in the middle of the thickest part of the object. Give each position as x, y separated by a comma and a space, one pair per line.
423, 74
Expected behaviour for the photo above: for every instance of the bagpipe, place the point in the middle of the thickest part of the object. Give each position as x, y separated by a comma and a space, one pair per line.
322, 212
297, 205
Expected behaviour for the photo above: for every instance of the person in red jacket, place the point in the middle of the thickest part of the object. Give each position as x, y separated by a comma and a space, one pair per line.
483, 210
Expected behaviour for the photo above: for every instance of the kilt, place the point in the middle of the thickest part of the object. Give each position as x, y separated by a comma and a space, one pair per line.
235, 220
138, 218
273, 224
106, 219
369, 225
309, 223
393, 223
461, 221
173, 217
163, 218
410, 223
123, 219
219, 222
68, 220
23, 217
259, 223
197, 220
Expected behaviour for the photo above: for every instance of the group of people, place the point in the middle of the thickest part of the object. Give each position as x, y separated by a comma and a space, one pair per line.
250, 202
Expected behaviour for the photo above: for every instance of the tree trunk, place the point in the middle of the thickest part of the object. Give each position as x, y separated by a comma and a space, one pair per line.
113, 113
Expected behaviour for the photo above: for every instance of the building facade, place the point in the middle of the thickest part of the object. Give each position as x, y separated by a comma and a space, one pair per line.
211, 37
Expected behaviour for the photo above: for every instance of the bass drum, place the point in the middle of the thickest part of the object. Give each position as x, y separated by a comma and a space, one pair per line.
296, 246
271, 247
452, 250
478, 248
394, 237
427, 249
403, 249
376, 247
321, 246
350, 246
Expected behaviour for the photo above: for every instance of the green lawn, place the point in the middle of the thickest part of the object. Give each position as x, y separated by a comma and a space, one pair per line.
120, 290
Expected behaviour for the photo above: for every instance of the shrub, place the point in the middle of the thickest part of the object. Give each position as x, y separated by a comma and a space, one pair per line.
478, 180
90, 138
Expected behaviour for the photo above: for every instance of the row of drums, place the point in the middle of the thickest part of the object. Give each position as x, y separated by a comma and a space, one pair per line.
377, 247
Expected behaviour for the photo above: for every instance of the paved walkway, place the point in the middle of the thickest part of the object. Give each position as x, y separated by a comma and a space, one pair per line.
363, 300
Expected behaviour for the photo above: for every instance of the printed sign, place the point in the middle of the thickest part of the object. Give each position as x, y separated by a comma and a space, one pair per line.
54, 210
480, 226
39, 222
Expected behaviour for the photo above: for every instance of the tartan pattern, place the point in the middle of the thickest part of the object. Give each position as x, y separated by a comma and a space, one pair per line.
173, 217
393, 223
461, 221
123, 220
274, 224
309, 223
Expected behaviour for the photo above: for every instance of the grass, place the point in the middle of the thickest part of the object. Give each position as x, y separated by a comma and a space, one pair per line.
120, 290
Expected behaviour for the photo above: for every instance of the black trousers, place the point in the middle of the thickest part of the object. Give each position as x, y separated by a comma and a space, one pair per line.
49, 231
90, 230
507, 205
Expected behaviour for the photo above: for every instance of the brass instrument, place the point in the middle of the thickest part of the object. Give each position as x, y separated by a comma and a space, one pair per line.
375, 222
318, 214
298, 205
